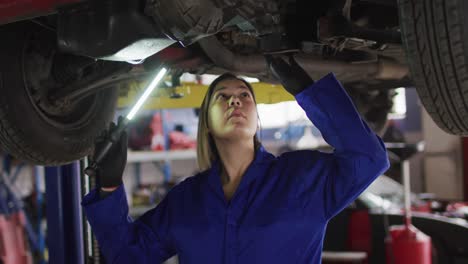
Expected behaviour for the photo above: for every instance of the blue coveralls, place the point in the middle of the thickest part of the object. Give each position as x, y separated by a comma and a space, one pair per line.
279, 212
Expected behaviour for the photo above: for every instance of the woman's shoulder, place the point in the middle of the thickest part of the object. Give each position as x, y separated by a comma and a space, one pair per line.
190, 181
185, 189
300, 155
302, 158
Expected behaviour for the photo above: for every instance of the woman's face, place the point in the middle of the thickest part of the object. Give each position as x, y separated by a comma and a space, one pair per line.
232, 113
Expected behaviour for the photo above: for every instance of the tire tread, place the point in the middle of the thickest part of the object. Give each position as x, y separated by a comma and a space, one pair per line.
433, 36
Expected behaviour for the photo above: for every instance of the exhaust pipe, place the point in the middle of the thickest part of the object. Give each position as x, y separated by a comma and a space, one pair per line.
382, 69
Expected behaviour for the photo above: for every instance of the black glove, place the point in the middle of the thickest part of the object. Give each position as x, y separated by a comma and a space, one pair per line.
110, 170
292, 76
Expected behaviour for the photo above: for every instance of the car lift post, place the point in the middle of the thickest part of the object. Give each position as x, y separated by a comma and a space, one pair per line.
64, 214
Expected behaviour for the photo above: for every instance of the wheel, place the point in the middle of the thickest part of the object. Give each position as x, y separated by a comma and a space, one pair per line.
31, 127
435, 35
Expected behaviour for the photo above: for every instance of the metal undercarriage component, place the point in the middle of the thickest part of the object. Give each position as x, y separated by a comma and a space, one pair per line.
233, 34
121, 31
382, 69
189, 21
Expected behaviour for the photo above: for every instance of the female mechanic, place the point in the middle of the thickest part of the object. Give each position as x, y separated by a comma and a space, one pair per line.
246, 206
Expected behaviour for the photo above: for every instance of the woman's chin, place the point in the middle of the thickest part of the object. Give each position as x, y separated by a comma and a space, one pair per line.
238, 133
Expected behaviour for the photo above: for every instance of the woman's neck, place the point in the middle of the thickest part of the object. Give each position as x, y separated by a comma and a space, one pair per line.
236, 158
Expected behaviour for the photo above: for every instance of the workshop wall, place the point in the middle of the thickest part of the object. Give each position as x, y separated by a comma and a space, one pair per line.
24, 183
443, 166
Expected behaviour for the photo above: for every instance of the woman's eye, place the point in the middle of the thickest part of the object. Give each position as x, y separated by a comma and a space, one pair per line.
221, 96
245, 94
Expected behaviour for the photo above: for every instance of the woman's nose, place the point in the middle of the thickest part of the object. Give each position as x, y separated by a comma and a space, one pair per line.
234, 101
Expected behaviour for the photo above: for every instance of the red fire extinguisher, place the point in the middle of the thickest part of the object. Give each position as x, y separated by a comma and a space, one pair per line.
405, 244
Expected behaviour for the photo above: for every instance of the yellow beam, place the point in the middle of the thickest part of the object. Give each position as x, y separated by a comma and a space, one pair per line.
190, 95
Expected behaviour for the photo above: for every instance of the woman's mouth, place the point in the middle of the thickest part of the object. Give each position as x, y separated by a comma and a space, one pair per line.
236, 113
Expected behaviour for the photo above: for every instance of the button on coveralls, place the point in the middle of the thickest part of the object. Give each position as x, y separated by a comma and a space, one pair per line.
279, 212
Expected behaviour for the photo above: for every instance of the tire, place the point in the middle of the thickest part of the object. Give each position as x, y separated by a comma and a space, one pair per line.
27, 130
435, 35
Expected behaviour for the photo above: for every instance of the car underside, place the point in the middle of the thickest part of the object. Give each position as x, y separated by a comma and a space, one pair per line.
63, 61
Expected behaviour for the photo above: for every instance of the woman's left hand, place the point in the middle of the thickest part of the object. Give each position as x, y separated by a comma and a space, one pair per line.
292, 76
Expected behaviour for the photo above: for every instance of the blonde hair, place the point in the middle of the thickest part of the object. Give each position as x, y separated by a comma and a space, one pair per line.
207, 152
